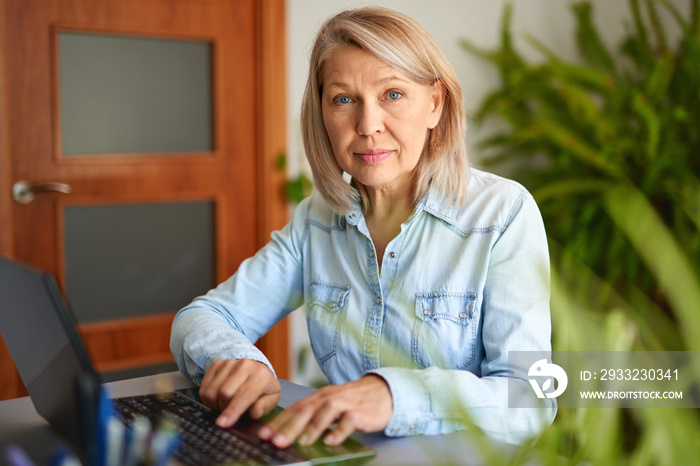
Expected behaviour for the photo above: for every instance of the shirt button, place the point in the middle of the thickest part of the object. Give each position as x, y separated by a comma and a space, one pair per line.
426, 312
392, 254
371, 254
379, 300
462, 315
332, 305
370, 350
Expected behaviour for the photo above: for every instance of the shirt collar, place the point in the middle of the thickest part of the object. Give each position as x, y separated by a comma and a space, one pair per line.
433, 203
438, 206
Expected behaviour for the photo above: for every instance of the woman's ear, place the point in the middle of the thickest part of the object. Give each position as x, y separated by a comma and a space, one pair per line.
437, 97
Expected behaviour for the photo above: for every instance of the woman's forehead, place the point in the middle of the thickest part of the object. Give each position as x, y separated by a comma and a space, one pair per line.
351, 64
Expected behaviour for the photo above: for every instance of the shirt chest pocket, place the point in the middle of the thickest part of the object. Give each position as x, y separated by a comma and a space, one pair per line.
325, 309
445, 330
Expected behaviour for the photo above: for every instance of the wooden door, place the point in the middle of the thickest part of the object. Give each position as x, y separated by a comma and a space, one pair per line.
235, 175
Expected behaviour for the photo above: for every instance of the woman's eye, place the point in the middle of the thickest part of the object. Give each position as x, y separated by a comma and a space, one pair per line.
393, 95
343, 99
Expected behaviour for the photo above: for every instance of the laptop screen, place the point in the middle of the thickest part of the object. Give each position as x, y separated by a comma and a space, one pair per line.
41, 336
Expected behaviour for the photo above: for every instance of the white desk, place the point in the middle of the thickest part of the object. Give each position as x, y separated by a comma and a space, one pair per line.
20, 423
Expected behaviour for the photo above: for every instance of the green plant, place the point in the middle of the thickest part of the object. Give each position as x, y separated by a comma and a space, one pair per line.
619, 192
296, 188
628, 116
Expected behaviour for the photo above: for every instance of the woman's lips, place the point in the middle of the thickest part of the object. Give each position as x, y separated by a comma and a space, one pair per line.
373, 156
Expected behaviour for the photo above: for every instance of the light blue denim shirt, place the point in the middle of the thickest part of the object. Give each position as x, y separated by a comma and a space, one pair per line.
458, 289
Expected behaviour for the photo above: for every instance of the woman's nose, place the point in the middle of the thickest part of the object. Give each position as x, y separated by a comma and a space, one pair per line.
370, 119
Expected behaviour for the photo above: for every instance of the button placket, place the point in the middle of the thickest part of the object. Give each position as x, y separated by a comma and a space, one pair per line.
372, 339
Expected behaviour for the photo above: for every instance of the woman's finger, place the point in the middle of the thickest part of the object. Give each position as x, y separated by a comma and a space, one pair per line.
218, 375
364, 405
233, 386
264, 405
288, 425
236, 406
329, 411
340, 432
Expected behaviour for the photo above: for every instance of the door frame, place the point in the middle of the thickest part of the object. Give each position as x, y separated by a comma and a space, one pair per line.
273, 210
13, 385
6, 245
270, 143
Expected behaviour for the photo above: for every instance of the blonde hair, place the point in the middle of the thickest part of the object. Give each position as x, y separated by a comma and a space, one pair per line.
403, 44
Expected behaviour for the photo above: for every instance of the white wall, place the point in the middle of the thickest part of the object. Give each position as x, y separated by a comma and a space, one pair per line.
447, 21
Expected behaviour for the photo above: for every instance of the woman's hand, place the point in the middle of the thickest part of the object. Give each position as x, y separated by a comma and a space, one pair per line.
234, 385
363, 405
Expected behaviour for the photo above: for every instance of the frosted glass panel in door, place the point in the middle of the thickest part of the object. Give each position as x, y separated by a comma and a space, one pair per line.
123, 94
131, 260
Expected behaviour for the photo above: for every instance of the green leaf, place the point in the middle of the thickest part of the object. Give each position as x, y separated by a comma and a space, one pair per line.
657, 246
281, 162
653, 125
298, 188
659, 79
590, 45
568, 139
591, 78
657, 29
568, 187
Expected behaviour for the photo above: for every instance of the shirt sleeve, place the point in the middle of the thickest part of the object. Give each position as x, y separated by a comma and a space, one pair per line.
227, 321
516, 317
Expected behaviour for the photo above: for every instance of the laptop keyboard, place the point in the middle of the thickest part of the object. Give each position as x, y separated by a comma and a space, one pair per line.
202, 441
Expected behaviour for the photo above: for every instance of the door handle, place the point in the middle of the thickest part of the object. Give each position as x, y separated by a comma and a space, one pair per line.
24, 192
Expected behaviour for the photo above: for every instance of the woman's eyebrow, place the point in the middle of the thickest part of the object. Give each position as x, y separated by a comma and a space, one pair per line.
340, 84
379, 81
392, 78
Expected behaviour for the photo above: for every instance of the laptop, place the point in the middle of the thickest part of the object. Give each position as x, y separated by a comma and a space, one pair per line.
41, 335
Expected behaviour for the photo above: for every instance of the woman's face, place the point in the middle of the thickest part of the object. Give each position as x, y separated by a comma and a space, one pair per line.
377, 118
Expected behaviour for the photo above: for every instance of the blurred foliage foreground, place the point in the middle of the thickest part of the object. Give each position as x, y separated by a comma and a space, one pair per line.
610, 147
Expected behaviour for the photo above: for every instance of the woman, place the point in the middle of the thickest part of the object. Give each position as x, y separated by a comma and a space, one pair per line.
417, 276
